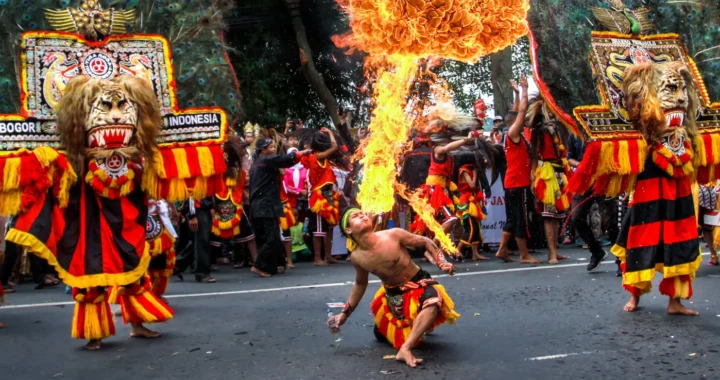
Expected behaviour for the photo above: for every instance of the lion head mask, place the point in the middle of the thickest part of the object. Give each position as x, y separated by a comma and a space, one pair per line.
96, 118
661, 99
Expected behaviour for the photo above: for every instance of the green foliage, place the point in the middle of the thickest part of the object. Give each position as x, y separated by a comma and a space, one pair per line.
562, 30
204, 76
470, 81
267, 61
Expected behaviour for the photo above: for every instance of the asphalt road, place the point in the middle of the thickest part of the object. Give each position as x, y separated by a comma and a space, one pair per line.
518, 322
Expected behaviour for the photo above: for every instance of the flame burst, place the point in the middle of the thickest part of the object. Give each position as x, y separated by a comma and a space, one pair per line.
397, 34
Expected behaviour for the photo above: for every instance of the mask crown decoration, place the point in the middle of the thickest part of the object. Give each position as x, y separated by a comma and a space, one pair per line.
91, 20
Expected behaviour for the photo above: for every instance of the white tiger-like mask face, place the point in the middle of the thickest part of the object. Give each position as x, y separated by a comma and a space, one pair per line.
112, 120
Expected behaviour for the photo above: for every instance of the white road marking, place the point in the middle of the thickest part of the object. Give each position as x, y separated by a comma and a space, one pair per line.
560, 356
330, 285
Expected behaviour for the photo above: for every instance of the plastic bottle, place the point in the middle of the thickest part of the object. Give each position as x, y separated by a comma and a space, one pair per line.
306, 224
335, 331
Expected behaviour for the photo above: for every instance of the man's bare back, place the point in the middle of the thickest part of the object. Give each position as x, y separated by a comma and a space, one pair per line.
387, 258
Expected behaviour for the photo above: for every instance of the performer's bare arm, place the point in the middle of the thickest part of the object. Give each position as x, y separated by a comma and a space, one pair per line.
356, 294
469, 179
516, 127
333, 145
442, 150
516, 91
411, 240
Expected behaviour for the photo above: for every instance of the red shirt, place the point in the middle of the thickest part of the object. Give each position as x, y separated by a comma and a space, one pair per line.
548, 150
464, 187
320, 173
518, 163
442, 168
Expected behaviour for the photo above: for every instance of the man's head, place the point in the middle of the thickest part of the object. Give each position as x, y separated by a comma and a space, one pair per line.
353, 224
497, 121
265, 147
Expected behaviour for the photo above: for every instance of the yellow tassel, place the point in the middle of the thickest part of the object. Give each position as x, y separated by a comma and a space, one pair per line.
624, 158
696, 201
181, 161
682, 288
547, 174
113, 295
10, 202
150, 183
178, 190
200, 189
700, 158
11, 174
716, 237
607, 161
159, 164
97, 323
453, 186
614, 185
207, 165
715, 143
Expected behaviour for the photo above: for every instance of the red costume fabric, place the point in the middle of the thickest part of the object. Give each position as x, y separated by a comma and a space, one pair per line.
324, 200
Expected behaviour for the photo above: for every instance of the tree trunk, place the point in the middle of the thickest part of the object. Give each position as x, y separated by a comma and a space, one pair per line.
306, 62
501, 74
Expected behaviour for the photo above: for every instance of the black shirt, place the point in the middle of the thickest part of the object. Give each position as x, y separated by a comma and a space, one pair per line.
265, 184
576, 148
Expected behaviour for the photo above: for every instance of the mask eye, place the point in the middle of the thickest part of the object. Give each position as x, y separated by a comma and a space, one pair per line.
105, 105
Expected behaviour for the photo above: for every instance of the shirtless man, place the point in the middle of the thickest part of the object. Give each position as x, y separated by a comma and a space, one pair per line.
405, 285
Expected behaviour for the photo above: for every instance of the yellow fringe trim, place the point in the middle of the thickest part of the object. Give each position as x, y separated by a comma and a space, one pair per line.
11, 174
33, 245
142, 312
637, 278
96, 326
207, 166
181, 162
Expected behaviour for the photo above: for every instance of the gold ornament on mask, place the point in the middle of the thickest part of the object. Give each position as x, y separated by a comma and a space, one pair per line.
90, 20
619, 18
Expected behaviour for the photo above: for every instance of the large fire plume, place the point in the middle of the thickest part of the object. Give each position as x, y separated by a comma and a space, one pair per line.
398, 34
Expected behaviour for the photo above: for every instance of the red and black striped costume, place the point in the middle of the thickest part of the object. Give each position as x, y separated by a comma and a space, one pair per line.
98, 240
395, 309
659, 232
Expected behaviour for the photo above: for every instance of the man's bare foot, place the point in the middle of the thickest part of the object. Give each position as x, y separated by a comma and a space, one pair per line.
553, 259
290, 266
140, 331
561, 257
259, 272
632, 305
331, 260
404, 355
93, 345
320, 263
479, 258
529, 259
3, 325
676, 308
504, 255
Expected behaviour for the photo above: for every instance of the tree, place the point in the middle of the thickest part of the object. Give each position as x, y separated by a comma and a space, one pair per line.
268, 65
